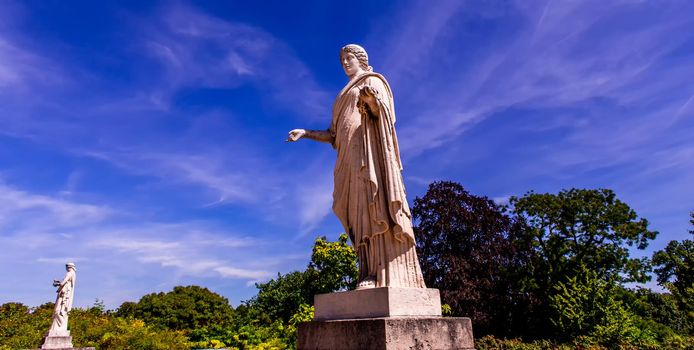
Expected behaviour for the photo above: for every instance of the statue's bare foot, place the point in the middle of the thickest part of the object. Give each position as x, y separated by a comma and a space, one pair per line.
367, 283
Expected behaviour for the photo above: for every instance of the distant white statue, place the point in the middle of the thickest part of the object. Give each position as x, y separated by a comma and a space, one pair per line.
63, 302
369, 194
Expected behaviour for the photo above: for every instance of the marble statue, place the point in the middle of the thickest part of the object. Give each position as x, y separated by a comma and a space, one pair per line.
63, 302
369, 194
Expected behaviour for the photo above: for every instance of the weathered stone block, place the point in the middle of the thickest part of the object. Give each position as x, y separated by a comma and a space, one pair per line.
57, 342
387, 333
378, 302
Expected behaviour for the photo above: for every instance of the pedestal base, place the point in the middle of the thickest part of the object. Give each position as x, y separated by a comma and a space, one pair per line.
377, 302
57, 342
387, 333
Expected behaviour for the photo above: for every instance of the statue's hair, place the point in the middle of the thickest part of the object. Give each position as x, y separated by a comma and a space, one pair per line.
359, 53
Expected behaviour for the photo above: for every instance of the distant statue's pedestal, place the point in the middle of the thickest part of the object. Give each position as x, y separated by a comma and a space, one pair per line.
59, 340
383, 318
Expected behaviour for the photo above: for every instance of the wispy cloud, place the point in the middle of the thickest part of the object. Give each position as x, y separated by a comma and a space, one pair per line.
184, 49
213, 177
61, 260
685, 107
511, 96
187, 253
108, 249
294, 192
19, 206
200, 50
20, 69
543, 63
314, 199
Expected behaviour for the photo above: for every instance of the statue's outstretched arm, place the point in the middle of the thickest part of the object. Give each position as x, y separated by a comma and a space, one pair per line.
316, 135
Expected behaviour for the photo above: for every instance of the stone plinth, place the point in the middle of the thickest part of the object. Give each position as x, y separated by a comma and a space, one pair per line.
387, 333
383, 318
57, 341
377, 302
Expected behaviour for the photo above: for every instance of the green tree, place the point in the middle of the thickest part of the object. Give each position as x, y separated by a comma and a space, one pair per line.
332, 267
255, 330
193, 309
304, 314
585, 305
105, 331
573, 230
22, 327
674, 268
281, 297
589, 227
659, 312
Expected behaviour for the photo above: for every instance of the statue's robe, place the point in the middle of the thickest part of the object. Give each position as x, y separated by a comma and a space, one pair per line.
369, 196
63, 303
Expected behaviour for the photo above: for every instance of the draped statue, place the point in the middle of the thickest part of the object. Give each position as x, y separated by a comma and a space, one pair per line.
63, 301
369, 194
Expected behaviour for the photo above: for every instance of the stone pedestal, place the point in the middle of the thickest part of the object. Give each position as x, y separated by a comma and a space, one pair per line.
377, 302
387, 333
383, 318
59, 340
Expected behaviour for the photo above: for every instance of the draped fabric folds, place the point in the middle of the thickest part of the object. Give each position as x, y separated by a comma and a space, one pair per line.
369, 196
63, 303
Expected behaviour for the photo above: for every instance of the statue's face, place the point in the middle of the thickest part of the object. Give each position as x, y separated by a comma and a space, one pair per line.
350, 64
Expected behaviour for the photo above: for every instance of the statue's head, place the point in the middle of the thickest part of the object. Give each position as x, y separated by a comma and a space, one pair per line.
69, 266
351, 54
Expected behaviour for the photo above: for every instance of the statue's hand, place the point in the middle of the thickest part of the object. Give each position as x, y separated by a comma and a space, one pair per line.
56, 283
363, 108
367, 102
295, 135
367, 94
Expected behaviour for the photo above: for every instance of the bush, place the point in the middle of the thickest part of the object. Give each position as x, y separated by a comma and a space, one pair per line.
587, 306
491, 343
24, 328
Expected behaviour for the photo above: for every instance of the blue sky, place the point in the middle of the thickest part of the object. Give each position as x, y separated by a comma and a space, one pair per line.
145, 141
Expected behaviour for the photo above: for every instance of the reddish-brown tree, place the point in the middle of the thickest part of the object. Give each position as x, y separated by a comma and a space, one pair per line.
465, 247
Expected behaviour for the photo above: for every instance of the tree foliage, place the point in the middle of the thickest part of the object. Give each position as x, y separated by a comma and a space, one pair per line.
465, 249
674, 268
280, 297
24, 328
660, 312
102, 330
585, 305
333, 267
573, 231
589, 227
184, 308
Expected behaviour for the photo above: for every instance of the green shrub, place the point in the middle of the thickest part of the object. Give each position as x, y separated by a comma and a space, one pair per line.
491, 343
22, 327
